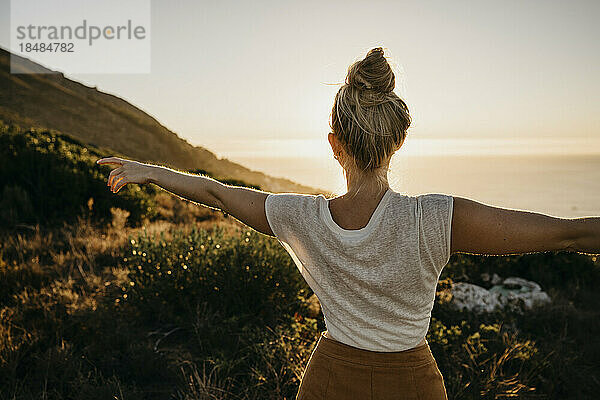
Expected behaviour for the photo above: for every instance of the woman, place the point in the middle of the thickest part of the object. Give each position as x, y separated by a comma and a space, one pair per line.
372, 256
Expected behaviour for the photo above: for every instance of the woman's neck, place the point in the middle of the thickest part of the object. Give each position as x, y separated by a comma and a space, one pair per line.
365, 189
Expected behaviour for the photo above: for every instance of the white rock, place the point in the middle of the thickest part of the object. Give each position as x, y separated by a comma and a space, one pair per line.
524, 284
512, 292
514, 289
469, 297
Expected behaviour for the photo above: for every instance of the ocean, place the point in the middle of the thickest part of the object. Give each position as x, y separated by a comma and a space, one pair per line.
557, 184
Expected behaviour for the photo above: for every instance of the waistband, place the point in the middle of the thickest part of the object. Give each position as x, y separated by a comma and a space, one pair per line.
420, 355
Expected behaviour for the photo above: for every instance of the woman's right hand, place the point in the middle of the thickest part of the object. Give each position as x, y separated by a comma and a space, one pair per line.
129, 171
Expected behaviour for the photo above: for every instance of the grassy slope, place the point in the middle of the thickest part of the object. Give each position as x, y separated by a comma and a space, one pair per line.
52, 101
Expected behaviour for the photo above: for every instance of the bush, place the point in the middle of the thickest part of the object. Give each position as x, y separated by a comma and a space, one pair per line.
48, 177
246, 274
222, 292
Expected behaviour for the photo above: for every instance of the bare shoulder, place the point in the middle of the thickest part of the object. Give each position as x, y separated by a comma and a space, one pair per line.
480, 228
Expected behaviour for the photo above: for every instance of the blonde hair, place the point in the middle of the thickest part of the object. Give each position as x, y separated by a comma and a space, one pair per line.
368, 118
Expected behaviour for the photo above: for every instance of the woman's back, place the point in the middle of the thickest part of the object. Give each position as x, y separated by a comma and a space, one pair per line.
376, 284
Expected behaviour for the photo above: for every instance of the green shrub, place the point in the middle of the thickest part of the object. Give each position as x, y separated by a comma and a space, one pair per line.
48, 177
248, 275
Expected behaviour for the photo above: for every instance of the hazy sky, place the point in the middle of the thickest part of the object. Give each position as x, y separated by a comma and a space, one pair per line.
265, 69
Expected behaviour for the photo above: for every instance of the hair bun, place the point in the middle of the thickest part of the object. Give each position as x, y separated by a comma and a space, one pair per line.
372, 73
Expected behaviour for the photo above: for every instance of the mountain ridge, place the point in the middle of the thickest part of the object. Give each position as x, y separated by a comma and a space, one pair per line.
47, 99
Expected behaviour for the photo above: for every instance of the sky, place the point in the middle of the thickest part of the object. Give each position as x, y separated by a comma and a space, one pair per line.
237, 72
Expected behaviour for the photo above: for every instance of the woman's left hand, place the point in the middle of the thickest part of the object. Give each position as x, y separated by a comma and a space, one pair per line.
129, 172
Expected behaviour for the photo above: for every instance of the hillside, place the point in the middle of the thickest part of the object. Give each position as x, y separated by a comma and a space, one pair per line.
48, 100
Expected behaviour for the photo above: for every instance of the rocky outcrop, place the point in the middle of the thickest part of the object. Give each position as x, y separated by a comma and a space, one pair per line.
470, 297
513, 290
517, 294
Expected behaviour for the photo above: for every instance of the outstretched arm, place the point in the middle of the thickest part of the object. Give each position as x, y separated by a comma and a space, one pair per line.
245, 204
482, 229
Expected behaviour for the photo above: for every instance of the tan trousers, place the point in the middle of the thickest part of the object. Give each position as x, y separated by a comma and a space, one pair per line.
338, 371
